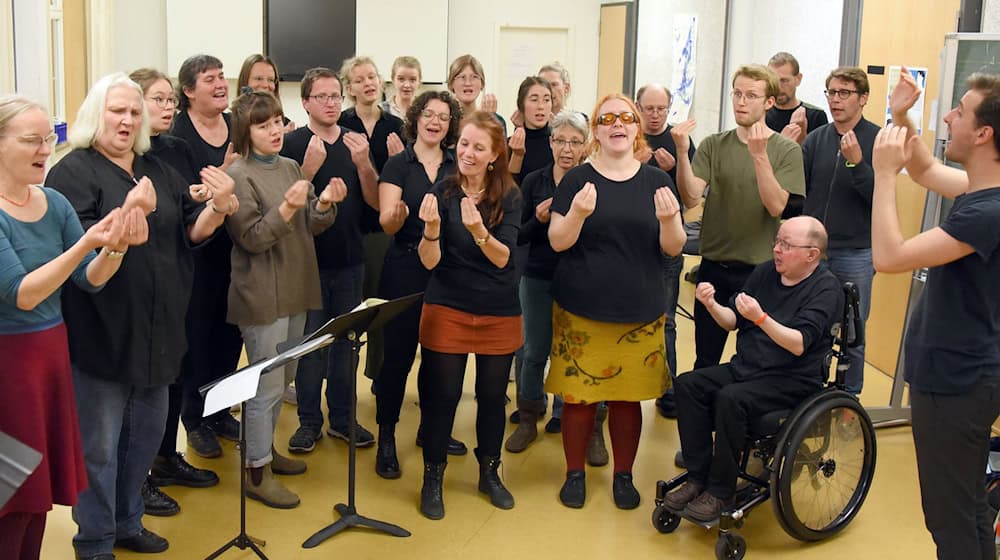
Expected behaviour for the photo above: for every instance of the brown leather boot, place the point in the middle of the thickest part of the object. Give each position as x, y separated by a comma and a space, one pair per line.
263, 487
527, 428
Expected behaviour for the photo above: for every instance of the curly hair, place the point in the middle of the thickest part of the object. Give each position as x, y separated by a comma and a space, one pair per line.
418, 106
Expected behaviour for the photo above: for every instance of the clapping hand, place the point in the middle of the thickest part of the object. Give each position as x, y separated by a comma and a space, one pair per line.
664, 160
314, 157
543, 212
682, 135
748, 307
142, 196
107, 232
757, 139
472, 219
489, 103
358, 145
516, 141
704, 292
297, 194
892, 150
334, 193
585, 201
666, 204
393, 144
136, 229
905, 94
850, 148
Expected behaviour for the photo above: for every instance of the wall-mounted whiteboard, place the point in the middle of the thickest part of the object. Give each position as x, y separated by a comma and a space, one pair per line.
391, 28
229, 30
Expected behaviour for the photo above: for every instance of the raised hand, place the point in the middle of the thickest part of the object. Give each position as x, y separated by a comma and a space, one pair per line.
666, 204
142, 195
199, 192
892, 150
644, 153
757, 139
136, 229
516, 141
585, 201
748, 307
315, 156
664, 160
398, 213
298, 194
429, 213
393, 144
489, 103
793, 132
850, 148
905, 94
335, 191
682, 135
107, 232
358, 145
543, 211
220, 186
705, 293
516, 118
290, 127
798, 132
472, 219
230, 157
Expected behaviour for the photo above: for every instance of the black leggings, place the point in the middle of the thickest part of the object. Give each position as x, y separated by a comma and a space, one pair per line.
439, 383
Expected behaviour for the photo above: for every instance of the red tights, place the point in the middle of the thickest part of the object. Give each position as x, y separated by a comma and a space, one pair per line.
624, 424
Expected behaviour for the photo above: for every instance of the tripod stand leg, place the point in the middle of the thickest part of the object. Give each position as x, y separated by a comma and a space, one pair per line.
325, 533
389, 528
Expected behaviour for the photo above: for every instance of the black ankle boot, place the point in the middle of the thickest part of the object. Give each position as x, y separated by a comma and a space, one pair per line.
431, 500
386, 463
490, 484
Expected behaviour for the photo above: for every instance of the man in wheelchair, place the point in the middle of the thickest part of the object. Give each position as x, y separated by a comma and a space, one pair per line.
784, 317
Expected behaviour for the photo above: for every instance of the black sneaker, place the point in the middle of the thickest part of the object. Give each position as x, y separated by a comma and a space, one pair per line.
626, 496
225, 427
175, 470
666, 405
204, 443
156, 502
574, 491
304, 439
144, 541
364, 437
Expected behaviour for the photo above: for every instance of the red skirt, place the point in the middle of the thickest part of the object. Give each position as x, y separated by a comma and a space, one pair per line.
38, 408
450, 331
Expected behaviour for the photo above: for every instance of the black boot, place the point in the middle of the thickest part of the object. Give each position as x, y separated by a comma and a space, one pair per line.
386, 463
490, 484
431, 500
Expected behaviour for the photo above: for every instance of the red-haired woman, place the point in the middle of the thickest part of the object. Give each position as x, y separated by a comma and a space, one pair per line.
471, 305
611, 219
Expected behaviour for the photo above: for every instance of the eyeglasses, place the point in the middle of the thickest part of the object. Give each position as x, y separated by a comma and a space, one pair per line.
323, 98
839, 93
468, 78
428, 114
655, 110
163, 102
36, 141
608, 119
786, 246
749, 96
567, 143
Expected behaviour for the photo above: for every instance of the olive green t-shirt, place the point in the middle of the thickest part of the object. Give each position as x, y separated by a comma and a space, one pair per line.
736, 226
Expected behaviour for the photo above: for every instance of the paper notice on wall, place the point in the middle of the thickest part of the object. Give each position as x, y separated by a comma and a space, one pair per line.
682, 84
916, 113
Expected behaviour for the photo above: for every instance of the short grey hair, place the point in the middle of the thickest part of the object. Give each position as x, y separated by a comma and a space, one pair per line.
575, 119
90, 118
556, 67
12, 106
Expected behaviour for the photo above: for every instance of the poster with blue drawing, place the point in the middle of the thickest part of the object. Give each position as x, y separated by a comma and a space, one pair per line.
682, 84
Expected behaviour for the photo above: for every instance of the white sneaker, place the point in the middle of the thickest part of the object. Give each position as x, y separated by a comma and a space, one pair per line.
289, 396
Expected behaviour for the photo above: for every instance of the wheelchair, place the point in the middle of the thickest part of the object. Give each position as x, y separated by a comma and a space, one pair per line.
816, 461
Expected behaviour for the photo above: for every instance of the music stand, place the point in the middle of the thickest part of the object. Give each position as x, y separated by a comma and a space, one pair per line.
350, 327
238, 387
17, 462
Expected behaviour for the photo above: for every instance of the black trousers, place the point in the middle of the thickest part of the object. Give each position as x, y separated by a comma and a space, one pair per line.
951, 434
174, 400
439, 383
402, 275
709, 337
712, 399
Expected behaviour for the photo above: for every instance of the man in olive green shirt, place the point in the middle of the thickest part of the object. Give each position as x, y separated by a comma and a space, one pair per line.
755, 174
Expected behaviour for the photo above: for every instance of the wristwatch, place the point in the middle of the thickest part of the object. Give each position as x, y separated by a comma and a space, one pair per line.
480, 241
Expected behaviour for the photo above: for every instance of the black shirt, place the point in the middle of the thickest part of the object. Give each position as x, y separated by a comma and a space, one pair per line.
406, 172
778, 119
465, 279
340, 245
132, 331
204, 153
811, 307
177, 153
613, 272
953, 338
665, 140
839, 194
537, 151
386, 124
537, 186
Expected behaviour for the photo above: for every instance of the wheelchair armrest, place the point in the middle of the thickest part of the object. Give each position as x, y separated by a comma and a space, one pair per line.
852, 332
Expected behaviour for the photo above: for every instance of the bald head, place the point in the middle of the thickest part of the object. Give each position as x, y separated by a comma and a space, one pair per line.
812, 229
653, 101
799, 248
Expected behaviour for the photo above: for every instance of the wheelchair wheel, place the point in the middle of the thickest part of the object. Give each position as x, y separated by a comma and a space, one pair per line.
824, 467
730, 546
664, 520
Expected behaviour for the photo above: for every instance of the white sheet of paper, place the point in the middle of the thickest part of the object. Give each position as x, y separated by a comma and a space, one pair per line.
306, 347
235, 389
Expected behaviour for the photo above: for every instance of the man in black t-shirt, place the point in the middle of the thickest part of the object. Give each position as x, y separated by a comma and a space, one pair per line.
952, 345
792, 118
783, 318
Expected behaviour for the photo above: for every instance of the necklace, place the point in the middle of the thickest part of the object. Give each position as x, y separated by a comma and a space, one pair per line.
16, 203
472, 193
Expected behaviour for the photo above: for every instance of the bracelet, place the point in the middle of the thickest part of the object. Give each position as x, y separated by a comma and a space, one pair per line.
482, 241
112, 254
424, 235
758, 322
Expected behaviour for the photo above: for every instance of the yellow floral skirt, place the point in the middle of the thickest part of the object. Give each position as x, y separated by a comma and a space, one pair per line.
594, 361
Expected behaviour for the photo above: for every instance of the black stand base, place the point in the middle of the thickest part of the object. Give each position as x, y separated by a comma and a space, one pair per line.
349, 517
242, 541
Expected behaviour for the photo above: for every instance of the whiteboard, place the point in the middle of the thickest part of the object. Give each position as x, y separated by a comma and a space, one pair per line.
521, 51
229, 30
391, 28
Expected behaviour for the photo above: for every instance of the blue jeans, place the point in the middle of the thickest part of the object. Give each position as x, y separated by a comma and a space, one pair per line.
341, 293
672, 267
121, 427
263, 410
536, 309
855, 265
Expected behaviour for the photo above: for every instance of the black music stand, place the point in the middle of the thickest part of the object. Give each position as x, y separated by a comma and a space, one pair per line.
350, 327
17, 462
238, 387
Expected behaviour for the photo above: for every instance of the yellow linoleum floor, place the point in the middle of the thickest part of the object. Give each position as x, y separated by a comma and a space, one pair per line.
889, 526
